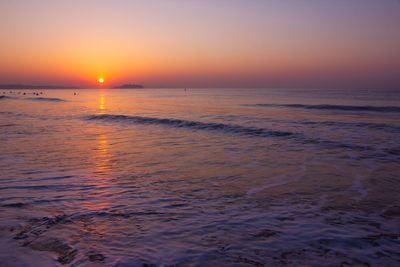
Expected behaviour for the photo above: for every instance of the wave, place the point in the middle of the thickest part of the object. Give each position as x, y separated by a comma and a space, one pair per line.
228, 128
333, 107
196, 125
51, 99
369, 125
335, 144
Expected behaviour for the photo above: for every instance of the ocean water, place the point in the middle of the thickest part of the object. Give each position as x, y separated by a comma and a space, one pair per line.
199, 177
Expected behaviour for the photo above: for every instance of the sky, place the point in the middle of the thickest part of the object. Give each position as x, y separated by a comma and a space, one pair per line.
201, 43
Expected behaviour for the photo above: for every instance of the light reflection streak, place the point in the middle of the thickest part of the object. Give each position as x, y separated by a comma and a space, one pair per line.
102, 105
98, 200
103, 157
102, 167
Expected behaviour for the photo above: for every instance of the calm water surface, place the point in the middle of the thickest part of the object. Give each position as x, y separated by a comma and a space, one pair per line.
243, 177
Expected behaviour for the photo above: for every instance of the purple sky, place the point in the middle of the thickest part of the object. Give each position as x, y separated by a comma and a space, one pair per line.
188, 43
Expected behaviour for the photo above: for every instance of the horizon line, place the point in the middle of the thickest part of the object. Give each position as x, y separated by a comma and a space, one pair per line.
17, 86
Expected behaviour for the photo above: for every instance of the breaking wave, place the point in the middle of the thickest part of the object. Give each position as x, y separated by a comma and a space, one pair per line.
196, 125
333, 107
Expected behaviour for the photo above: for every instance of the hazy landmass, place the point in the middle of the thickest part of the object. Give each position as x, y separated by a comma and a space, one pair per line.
28, 86
129, 85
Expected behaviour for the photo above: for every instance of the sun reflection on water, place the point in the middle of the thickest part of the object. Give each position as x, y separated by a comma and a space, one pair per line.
103, 157
100, 180
101, 107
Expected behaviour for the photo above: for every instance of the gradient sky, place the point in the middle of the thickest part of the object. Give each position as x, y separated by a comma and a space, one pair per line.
202, 43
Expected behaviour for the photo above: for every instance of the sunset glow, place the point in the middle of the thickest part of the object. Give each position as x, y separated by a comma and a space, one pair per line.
291, 43
101, 80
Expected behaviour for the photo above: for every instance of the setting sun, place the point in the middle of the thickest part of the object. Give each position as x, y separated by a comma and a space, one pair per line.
101, 80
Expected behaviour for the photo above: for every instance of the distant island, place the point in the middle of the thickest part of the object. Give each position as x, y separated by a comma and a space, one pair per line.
129, 86
27, 86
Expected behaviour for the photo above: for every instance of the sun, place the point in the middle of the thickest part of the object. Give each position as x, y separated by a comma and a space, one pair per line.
101, 80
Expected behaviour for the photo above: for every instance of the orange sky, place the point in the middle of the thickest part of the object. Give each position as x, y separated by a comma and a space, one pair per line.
172, 43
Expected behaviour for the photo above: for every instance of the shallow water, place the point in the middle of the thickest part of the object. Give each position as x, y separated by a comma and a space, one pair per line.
239, 177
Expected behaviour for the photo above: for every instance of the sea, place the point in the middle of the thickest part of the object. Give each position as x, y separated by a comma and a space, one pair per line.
199, 177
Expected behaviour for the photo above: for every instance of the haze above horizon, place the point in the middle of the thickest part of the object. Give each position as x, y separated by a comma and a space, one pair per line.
176, 43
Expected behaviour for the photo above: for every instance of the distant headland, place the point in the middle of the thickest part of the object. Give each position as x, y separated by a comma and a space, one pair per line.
28, 86
129, 86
